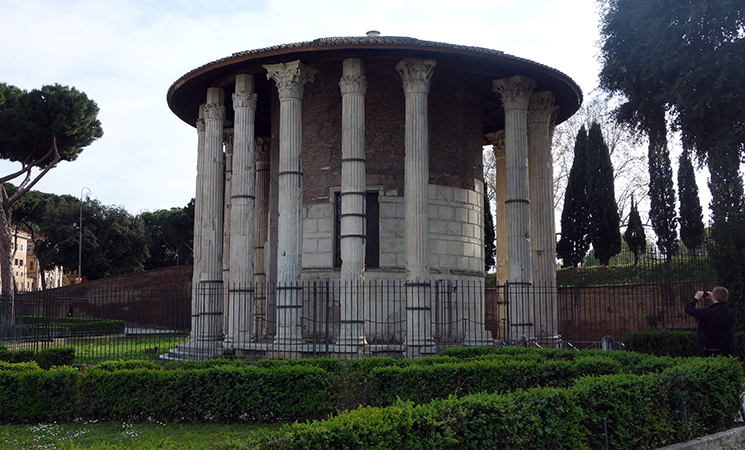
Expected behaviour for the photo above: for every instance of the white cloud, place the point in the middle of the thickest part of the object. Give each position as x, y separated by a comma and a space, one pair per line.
126, 54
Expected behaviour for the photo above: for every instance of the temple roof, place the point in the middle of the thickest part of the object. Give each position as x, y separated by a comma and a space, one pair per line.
188, 92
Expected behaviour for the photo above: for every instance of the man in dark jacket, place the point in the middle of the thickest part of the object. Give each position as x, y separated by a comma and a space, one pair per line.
716, 324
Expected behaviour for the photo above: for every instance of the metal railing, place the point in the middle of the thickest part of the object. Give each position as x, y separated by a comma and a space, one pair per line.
329, 318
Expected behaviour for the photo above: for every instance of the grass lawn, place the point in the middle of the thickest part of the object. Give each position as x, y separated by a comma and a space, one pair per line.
118, 435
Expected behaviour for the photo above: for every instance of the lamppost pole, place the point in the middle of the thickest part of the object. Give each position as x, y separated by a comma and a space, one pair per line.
80, 241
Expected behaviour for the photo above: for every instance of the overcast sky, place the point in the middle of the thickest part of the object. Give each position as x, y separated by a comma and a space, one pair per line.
125, 54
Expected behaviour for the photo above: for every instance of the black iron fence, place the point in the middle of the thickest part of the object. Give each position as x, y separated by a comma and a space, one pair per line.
328, 318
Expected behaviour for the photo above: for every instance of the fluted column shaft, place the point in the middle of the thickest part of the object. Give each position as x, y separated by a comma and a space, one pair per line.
500, 197
261, 228
515, 93
543, 233
540, 163
290, 79
228, 140
416, 75
210, 275
353, 86
197, 245
242, 213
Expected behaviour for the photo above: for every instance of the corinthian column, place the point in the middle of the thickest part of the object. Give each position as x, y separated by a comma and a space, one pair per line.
543, 230
515, 93
353, 86
208, 274
416, 74
197, 245
242, 215
500, 190
228, 161
500, 193
290, 79
261, 227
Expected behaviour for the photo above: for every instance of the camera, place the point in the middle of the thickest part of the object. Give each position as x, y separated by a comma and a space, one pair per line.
706, 294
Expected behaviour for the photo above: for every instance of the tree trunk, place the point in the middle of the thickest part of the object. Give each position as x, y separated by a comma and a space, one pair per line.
6, 268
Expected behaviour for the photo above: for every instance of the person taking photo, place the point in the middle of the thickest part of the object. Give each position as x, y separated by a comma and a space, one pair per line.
716, 323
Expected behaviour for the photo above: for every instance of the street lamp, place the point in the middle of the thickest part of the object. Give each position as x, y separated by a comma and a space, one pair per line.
80, 242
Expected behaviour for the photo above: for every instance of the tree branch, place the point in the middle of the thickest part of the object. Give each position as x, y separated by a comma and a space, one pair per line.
27, 187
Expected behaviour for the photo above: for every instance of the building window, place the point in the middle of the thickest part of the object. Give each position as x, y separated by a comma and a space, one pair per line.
372, 230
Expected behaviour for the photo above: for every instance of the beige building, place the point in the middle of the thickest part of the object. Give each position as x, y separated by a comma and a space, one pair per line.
26, 267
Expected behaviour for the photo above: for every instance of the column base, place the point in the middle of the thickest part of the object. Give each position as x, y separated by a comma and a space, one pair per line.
195, 351
479, 339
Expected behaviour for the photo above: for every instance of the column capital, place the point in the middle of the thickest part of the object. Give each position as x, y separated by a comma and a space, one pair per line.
228, 138
416, 74
244, 99
496, 139
261, 148
214, 111
200, 125
540, 107
353, 84
515, 91
290, 78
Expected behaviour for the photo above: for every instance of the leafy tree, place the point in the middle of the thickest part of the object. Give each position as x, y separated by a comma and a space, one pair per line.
682, 61
630, 175
170, 234
28, 213
662, 197
489, 233
575, 217
605, 234
635, 237
38, 129
113, 241
728, 229
691, 213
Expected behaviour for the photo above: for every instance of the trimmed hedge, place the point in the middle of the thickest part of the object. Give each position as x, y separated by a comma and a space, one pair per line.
639, 411
534, 419
47, 358
65, 326
500, 398
673, 343
224, 393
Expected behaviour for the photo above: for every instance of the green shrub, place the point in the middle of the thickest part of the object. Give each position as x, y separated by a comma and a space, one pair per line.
711, 388
113, 366
534, 419
51, 357
423, 383
632, 406
367, 365
47, 395
471, 352
17, 356
663, 343
330, 365
220, 393
62, 356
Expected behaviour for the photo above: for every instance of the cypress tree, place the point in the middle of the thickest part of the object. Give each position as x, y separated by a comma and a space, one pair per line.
691, 213
634, 236
662, 195
575, 219
489, 233
605, 233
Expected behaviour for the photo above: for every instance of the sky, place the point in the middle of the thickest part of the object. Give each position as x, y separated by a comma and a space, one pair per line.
125, 54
